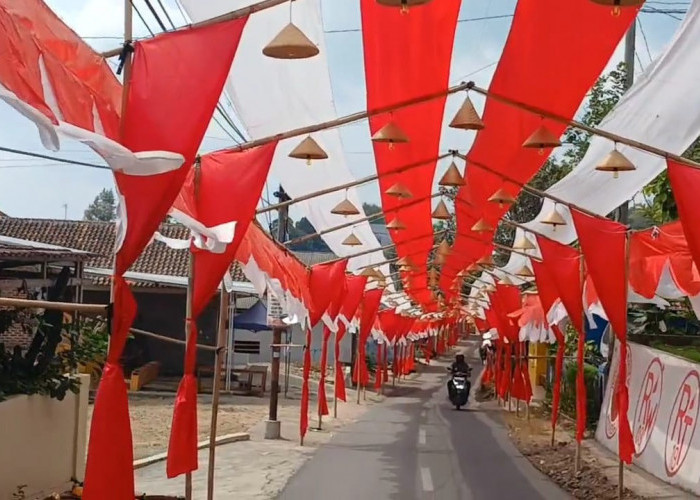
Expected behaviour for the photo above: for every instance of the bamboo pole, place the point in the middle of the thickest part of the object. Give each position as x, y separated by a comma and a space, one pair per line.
349, 185
216, 391
54, 306
236, 14
354, 222
188, 318
576, 124
352, 118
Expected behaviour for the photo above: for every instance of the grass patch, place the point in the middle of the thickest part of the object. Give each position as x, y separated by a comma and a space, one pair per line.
689, 352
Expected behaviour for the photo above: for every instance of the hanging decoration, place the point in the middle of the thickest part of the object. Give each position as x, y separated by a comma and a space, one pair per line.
502, 197
352, 240
467, 118
399, 191
308, 149
554, 219
542, 138
441, 212
290, 43
615, 162
452, 177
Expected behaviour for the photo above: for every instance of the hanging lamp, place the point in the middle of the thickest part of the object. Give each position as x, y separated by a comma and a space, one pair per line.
308, 150
502, 197
525, 272
352, 240
482, 226
523, 244
441, 212
485, 262
390, 133
400, 191
467, 118
618, 4
542, 138
452, 177
290, 43
439, 259
505, 280
403, 4
433, 277
444, 247
554, 219
396, 225
345, 208
615, 162
368, 271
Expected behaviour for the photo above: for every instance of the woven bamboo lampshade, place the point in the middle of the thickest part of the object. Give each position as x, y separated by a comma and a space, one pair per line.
345, 207
542, 138
482, 226
502, 197
485, 262
615, 162
352, 240
525, 272
554, 219
404, 261
391, 134
441, 211
369, 272
290, 43
308, 150
467, 118
444, 248
505, 280
452, 177
403, 4
396, 225
523, 244
489, 288
617, 4
400, 191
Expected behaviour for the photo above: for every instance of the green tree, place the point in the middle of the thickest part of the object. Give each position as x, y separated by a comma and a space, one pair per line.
371, 209
103, 208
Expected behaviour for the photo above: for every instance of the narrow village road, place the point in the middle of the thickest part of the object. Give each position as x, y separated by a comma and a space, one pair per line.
416, 446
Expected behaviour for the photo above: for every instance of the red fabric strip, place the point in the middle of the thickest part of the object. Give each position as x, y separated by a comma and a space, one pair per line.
558, 366
322, 401
304, 416
339, 375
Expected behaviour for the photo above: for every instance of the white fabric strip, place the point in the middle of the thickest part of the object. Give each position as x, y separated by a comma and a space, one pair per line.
657, 110
272, 96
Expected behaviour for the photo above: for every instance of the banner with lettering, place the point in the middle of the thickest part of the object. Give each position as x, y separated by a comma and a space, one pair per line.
663, 413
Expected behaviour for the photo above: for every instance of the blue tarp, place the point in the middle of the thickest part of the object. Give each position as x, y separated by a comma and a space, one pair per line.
254, 319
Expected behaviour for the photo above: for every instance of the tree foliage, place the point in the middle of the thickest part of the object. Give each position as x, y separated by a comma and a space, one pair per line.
103, 208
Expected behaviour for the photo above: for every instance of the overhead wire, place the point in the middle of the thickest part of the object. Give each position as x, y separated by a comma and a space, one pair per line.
644, 37
143, 20
53, 158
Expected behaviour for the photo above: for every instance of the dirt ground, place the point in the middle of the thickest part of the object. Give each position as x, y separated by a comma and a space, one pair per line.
533, 439
151, 418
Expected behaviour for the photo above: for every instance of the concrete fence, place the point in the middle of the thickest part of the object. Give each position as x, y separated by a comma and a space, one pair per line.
43, 442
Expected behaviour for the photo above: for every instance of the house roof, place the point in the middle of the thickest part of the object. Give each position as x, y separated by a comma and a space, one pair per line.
15, 249
97, 238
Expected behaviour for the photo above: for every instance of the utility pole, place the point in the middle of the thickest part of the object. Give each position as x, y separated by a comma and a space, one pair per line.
630, 40
272, 426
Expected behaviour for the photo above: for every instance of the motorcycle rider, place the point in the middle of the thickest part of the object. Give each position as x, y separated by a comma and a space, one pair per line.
458, 366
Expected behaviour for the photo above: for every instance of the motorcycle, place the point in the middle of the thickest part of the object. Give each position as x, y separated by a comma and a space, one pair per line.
460, 387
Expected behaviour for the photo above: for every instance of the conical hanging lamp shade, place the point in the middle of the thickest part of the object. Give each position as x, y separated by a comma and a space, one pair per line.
390, 133
467, 118
398, 190
617, 4
485, 262
542, 138
404, 261
452, 177
396, 225
502, 197
352, 240
441, 211
290, 43
444, 248
554, 219
525, 272
482, 227
368, 271
523, 244
615, 162
505, 280
308, 150
345, 207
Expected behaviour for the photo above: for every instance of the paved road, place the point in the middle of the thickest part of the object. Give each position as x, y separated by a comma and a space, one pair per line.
416, 446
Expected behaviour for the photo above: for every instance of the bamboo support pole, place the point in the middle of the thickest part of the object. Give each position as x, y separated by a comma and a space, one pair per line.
354, 222
576, 124
349, 185
55, 306
229, 16
216, 390
188, 318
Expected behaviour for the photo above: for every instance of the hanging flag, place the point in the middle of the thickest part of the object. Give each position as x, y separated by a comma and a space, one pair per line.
370, 307
355, 286
604, 246
217, 202
563, 265
165, 69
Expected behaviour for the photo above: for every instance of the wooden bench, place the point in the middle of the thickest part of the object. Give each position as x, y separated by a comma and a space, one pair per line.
249, 373
144, 375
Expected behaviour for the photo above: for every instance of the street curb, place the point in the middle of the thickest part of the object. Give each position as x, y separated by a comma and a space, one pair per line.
225, 439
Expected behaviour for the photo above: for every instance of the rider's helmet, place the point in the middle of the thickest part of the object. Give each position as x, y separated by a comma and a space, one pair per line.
459, 358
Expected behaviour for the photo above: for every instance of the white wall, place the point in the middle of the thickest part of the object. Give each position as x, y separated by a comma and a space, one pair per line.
664, 393
43, 442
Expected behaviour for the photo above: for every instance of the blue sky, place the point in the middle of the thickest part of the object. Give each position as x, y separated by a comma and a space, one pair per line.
40, 188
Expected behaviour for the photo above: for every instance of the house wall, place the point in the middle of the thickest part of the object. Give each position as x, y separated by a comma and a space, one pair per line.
43, 442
